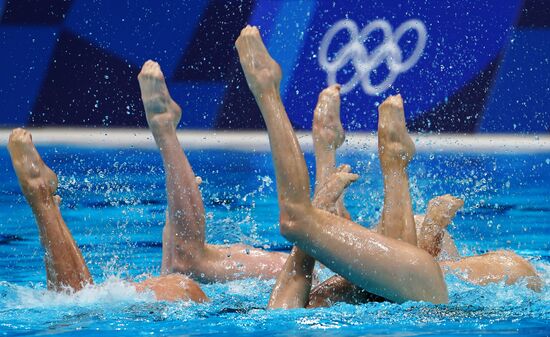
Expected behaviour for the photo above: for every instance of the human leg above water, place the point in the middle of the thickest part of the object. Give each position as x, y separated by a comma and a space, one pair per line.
395, 149
65, 266
387, 267
184, 246
293, 285
328, 135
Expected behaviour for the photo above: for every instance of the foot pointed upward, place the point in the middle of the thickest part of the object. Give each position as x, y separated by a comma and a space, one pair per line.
160, 108
261, 71
327, 127
38, 182
395, 146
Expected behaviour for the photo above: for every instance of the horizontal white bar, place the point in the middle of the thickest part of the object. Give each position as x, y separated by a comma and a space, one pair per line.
258, 140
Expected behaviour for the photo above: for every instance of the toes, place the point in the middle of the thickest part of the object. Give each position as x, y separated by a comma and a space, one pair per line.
333, 90
19, 136
150, 69
392, 108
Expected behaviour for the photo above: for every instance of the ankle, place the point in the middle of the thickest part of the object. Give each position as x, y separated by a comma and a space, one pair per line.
161, 129
265, 94
395, 170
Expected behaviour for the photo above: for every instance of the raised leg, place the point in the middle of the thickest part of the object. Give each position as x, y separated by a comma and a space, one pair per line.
293, 285
184, 246
395, 149
183, 235
387, 267
65, 266
328, 136
294, 282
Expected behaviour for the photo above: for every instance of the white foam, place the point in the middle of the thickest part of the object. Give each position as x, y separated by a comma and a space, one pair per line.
113, 290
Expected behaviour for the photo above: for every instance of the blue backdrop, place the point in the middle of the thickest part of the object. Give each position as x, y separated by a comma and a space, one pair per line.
462, 66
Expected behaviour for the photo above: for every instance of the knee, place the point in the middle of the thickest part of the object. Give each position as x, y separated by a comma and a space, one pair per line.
520, 268
431, 282
291, 216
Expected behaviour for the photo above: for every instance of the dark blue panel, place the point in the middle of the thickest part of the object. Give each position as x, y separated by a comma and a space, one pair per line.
88, 86
463, 110
199, 102
2, 4
535, 14
239, 110
24, 58
35, 12
212, 45
138, 30
520, 96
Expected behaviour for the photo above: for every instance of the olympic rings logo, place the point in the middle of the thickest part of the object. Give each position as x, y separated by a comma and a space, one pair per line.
363, 61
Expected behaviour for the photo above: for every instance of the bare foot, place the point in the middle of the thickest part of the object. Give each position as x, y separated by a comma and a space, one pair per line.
441, 210
395, 146
37, 180
160, 108
261, 71
327, 127
333, 188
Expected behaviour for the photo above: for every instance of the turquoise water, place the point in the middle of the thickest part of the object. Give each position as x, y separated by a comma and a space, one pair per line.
113, 202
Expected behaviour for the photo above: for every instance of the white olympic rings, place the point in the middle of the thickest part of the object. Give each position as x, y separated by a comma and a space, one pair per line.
363, 61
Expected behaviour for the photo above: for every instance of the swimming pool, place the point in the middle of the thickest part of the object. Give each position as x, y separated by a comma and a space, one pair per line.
113, 202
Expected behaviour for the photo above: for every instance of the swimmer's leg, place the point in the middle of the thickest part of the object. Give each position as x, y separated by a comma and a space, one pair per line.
387, 267
184, 246
293, 285
65, 266
441, 210
502, 265
395, 149
328, 136
183, 233
294, 282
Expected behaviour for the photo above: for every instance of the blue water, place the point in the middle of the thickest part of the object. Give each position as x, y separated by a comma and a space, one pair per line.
114, 202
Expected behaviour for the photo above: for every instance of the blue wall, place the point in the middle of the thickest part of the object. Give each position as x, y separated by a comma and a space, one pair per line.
482, 67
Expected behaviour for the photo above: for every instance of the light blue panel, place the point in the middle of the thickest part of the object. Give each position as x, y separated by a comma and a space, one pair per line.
24, 58
199, 101
138, 30
520, 96
287, 35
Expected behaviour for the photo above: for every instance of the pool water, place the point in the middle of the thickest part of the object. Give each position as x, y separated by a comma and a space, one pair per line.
114, 203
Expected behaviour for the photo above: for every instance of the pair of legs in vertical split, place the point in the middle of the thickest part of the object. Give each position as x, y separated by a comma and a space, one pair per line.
65, 266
